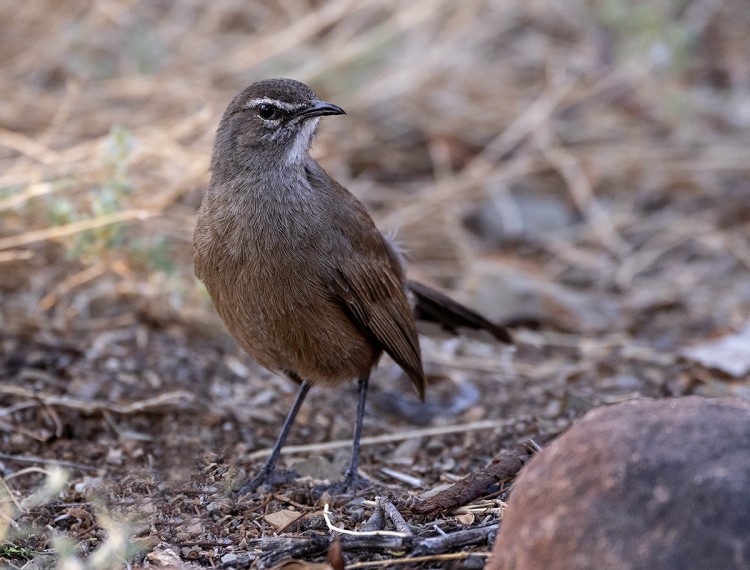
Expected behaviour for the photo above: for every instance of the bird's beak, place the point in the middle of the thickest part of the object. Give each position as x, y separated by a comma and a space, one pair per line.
319, 108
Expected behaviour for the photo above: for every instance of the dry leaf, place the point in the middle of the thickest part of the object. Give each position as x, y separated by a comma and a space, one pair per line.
336, 554
730, 353
282, 519
466, 518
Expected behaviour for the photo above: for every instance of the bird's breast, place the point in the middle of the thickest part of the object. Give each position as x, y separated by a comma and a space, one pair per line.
264, 265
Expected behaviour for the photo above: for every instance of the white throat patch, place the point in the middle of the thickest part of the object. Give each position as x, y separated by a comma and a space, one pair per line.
301, 143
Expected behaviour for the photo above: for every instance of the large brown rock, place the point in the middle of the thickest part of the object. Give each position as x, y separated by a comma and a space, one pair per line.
646, 484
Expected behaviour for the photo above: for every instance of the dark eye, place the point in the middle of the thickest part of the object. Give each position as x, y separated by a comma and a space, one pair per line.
266, 111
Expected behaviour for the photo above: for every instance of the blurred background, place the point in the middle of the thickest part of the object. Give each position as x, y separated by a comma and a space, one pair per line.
585, 143
576, 168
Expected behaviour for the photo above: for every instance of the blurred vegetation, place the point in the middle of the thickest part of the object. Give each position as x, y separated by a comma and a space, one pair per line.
650, 31
116, 113
106, 199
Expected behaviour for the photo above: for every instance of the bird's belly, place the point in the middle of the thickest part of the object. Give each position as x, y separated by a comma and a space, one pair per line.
291, 324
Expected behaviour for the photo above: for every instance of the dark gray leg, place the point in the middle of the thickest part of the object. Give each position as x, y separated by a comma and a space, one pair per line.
351, 477
266, 473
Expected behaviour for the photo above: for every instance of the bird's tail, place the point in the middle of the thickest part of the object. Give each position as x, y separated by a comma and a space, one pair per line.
434, 306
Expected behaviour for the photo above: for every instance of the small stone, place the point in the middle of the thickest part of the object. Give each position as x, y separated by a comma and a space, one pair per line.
502, 293
473, 563
165, 558
195, 528
221, 506
114, 456
434, 447
229, 558
314, 521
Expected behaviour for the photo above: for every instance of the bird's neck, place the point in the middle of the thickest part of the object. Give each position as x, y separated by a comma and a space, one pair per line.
263, 205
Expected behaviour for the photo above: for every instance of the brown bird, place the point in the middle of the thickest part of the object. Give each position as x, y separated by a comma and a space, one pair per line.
295, 266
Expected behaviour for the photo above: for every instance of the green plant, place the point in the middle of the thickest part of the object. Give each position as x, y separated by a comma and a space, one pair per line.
648, 31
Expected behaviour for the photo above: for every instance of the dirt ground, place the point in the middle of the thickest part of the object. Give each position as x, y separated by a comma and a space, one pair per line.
576, 170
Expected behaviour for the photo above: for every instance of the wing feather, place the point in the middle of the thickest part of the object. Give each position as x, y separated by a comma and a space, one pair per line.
375, 301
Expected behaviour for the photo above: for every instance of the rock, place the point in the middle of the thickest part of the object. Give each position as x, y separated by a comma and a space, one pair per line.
510, 215
641, 484
229, 558
504, 294
168, 559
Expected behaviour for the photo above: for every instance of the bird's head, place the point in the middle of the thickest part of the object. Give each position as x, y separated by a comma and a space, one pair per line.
271, 122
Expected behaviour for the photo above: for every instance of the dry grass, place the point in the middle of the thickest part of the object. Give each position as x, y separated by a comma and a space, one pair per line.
631, 115
449, 105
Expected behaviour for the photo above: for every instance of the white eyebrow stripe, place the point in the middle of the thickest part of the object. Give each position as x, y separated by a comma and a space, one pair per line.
283, 105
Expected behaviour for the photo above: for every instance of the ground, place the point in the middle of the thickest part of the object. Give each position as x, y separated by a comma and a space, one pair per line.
579, 173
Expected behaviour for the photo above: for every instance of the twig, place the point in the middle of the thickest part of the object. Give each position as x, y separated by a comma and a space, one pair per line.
340, 530
55, 419
97, 406
537, 113
26, 471
267, 45
15, 255
392, 513
70, 283
9, 493
440, 544
41, 437
403, 477
375, 522
471, 487
386, 438
416, 550
42, 460
418, 559
532, 446
28, 147
582, 193
74, 228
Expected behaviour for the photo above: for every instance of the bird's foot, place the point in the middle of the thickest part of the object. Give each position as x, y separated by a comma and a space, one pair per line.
349, 485
267, 479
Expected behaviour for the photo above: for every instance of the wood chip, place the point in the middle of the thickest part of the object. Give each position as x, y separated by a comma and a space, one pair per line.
466, 519
471, 487
282, 519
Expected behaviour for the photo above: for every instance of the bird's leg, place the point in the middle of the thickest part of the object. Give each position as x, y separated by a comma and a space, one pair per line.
351, 481
351, 478
265, 476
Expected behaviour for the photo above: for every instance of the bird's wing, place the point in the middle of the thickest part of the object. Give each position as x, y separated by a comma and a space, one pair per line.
365, 276
373, 297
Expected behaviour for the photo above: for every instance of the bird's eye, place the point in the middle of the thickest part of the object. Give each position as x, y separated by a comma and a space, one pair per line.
268, 112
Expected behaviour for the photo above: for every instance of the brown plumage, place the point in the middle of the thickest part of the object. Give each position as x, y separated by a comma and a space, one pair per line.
295, 266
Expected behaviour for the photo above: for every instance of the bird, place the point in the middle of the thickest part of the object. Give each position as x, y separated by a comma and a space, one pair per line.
295, 266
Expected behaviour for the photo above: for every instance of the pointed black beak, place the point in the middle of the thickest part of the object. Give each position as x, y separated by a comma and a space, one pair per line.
319, 108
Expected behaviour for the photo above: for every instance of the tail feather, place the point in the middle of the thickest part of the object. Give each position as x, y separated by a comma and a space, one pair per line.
431, 305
